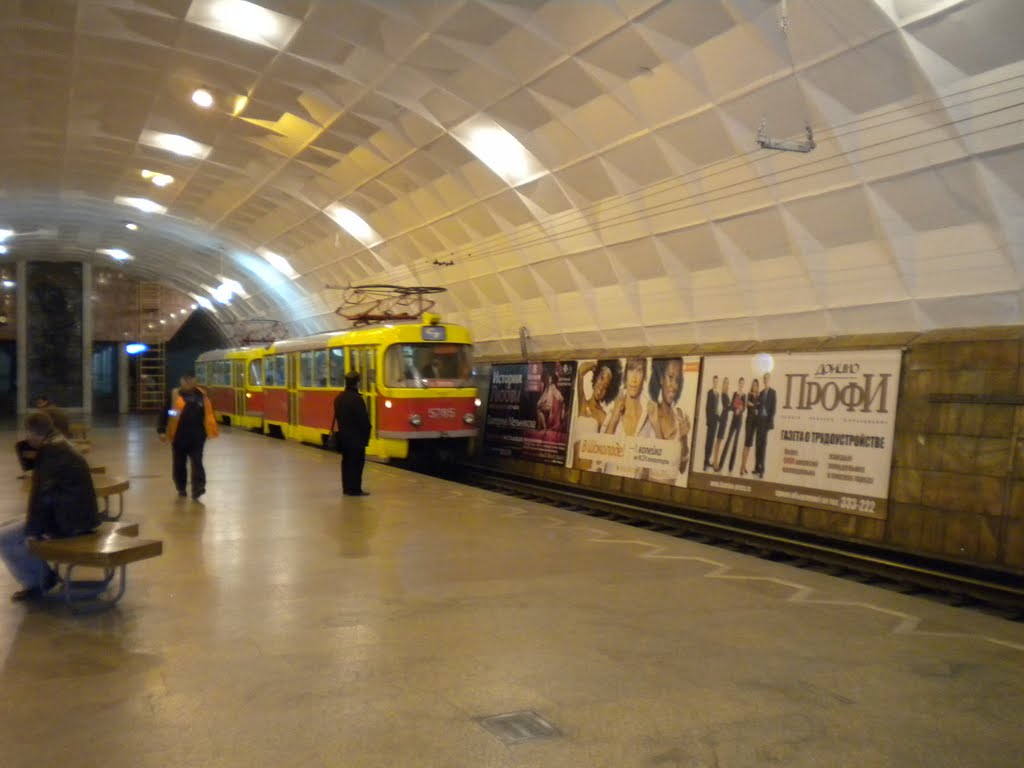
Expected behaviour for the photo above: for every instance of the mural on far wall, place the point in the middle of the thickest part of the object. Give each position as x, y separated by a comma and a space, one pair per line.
54, 332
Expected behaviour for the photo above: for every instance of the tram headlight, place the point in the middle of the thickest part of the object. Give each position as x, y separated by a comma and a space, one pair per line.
477, 402
248, 395
387, 403
416, 420
469, 418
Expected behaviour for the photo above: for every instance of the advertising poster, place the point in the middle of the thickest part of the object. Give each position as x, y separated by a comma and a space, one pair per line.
528, 411
634, 417
812, 429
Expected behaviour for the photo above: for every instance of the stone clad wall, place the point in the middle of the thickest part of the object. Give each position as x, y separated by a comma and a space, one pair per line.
957, 485
958, 469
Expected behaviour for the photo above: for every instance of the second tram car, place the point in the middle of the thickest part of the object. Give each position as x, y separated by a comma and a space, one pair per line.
233, 378
416, 379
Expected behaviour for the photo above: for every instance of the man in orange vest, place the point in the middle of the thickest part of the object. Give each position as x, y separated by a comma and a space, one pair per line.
187, 424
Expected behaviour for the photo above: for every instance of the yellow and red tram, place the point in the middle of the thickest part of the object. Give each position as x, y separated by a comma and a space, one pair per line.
233, 379
416, 379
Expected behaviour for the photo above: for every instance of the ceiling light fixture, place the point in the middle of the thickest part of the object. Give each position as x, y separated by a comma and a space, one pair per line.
499, 150
202, 301
160, 179
3, 249
144, 205
245, 20
278, 262
354, 224
5, 233
172, 142
131, 225
9, 283
115, 253
202, 98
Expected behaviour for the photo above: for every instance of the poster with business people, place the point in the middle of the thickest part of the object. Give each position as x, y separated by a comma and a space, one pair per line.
634, 417
529, 408
813, 429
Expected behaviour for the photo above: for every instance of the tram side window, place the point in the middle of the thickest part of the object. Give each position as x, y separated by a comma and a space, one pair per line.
306, 369
275, 371
256, 373
221, 373
320, 368
337, 360
201, 373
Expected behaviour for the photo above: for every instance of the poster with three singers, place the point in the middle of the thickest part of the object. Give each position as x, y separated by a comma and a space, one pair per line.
812, 429
634, 417
529, 407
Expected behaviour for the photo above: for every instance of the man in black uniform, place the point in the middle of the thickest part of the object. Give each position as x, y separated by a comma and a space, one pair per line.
354, 435
62, 503
188, 422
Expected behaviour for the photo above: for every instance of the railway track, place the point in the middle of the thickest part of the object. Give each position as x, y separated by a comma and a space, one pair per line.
956, 584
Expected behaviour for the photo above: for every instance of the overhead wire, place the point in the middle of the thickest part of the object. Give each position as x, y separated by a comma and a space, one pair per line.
737, 163
526, 239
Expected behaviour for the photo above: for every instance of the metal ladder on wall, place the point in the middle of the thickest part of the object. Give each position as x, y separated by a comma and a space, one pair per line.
151, 383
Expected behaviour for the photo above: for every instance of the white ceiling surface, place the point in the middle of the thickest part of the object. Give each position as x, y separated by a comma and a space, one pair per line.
658, 222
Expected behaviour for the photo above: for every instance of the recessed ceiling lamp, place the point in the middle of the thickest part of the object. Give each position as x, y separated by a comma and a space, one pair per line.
203, 302
227, 289
131, 225
9, 283
354, 224
245, 20
202, 98
160, 179
144, 205
115, 253
3, 249
5, 233
499, 150
172, 142
278, 262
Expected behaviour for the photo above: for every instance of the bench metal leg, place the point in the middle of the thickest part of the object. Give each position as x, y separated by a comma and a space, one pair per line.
109, 516
92, 594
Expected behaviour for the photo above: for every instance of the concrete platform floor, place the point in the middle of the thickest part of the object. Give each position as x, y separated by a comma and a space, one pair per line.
286, 625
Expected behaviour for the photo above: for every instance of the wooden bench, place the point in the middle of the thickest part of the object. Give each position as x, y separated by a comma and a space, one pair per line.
111, 547
106, 487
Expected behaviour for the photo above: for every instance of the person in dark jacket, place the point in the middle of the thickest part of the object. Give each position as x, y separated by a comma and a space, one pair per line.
26, 453
62, 503
354, 435
188, 421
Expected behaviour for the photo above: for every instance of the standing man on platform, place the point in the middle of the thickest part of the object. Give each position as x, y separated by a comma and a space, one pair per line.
354, 435
62, 503
187, 423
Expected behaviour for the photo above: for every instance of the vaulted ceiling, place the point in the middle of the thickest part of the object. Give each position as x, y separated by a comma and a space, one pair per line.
639, 211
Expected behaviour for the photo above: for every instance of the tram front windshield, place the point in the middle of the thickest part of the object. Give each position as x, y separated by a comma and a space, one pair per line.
429, 365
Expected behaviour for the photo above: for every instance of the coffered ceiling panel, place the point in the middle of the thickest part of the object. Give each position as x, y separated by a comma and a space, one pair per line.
588, 168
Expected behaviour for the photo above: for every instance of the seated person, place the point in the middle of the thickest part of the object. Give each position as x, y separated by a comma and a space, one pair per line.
26, 454
62, 503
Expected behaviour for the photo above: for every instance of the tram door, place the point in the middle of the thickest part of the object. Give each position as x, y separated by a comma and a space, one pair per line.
364, 360
238, 385
292, 367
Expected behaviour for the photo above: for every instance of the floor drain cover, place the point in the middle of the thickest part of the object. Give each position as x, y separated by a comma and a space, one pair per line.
516, 727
